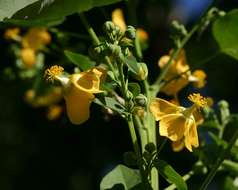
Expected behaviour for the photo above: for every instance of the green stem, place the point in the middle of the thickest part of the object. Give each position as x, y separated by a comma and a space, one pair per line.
156, 85
95, 40
122, 80
218, 162
142, 131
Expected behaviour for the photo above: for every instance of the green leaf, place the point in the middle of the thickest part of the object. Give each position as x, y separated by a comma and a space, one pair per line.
225, 31
111, 103
134, 88
9, 7
52, 9
121, 174
170, 174
82, 61
132, 64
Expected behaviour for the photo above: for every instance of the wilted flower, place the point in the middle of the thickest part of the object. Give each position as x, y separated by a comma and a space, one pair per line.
178, 123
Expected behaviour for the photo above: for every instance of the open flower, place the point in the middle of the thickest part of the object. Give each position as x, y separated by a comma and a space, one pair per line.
179, 74
178, 123
79, 90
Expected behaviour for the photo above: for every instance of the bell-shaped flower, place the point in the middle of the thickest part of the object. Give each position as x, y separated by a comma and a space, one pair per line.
178, 123
79, 91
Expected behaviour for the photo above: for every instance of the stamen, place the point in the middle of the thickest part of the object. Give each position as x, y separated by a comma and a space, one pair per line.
53, 72
198, 100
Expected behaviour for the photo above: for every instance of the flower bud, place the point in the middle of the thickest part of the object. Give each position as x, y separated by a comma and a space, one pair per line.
142, 72
108, 27
130, 32
141, 100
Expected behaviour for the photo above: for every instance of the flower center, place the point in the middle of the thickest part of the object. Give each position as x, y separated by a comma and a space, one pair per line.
198, 100
53, 73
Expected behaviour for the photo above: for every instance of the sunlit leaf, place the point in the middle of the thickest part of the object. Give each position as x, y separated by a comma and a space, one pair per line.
225, 31
123, 175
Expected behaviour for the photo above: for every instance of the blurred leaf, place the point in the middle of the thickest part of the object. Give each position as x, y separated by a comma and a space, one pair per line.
134, 88
54, 9
82, 61
121, 175
9, 7
41, 22
225, 31
170, 174
229, 184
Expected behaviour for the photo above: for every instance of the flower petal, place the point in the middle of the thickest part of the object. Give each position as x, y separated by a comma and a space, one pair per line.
78, 104
191, 136
178, 145
160, 107
172, 126
88, 81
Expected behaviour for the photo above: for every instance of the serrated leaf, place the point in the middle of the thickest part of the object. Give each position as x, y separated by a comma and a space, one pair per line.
111, 103
170, 174
123, 175
82, 61
225, 31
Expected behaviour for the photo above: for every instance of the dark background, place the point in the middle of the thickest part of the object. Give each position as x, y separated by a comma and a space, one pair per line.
37, 154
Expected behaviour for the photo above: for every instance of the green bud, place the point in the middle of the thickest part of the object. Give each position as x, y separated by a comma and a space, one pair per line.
150, 147
142, 72
141, 100
108, 27
130, 32
224, 111
179, 28
114, 49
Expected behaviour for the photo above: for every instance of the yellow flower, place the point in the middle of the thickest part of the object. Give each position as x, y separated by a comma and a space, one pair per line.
142, 34
178, 123
28, 57
118, 19
47, 99
200, 75
12, 34
179, 75
79, 91
54, 112
36, 38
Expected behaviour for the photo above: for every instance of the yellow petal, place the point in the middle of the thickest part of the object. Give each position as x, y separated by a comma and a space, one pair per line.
173, 87
78, 104
172, 126
178, 145
118, 19
160, 107
198, 117
200, 75
88, 81
28, 57
191, 136
35, 38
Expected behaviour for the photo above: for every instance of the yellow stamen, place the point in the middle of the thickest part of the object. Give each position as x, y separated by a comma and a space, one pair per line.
198, 100
53, 72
